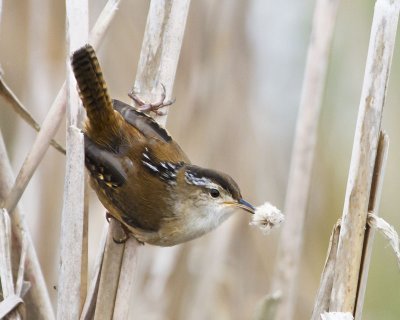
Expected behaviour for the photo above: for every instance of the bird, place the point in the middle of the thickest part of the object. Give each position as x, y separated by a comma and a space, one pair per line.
140, 174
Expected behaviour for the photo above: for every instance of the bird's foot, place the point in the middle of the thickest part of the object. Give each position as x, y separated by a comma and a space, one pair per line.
121, 234
145, 107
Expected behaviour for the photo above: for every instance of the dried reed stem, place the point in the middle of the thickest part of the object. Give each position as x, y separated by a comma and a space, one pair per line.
126, 280
8, 305
357, 198
109, 277
103, 23
19, 284
72, 219
6, 275
19, 108
374, 202
35, 155
161, 48
90, 301
163, 35
322, 301
72, 229
85, 242
289, 252
38, 294
323, 297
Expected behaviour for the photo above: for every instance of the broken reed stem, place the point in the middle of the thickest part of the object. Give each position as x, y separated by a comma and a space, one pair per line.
323, 297
38, 295
164, 33
354, 218
374, 202
322, 300
8, 305
19, 108
289, 252
53, 118
6, 275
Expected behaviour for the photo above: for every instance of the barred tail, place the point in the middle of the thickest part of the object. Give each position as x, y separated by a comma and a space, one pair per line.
102, 121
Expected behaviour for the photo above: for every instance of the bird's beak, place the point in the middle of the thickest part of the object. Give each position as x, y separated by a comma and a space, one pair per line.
245, 206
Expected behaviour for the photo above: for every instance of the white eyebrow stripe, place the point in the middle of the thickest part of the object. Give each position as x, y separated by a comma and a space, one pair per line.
190, 178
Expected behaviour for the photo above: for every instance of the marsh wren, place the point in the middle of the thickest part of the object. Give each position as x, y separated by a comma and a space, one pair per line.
140, 174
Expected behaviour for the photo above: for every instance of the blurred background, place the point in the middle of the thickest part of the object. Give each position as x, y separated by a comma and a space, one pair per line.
237, 88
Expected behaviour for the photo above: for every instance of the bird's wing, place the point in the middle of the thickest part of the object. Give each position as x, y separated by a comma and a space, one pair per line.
104, 166
110, 175
141, 121
160, 143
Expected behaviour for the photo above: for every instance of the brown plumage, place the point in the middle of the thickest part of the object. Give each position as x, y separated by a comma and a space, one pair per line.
140, 173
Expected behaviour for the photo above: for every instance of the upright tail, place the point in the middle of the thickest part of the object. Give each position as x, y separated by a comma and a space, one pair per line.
102, 125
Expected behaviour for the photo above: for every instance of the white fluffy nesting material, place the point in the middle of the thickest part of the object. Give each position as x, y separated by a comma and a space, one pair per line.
267, 217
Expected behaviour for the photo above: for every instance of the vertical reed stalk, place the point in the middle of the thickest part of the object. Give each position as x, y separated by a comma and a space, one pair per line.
290, 244
72, 218
354, 218
323, 298
374, 202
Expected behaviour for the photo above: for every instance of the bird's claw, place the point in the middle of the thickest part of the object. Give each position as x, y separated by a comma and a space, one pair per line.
145, 107
125, 231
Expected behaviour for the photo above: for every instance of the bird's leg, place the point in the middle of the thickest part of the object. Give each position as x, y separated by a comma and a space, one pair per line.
155, 107
125, 236
125, 231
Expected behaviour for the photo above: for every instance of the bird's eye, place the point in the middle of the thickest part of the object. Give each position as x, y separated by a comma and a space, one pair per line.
214, 193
